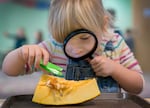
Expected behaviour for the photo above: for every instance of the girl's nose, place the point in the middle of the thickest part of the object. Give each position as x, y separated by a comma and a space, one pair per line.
77, 52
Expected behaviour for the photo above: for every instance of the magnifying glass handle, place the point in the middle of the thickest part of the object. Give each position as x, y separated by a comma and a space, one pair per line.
91, 57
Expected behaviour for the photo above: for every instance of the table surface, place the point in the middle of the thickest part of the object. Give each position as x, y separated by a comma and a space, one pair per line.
2, 100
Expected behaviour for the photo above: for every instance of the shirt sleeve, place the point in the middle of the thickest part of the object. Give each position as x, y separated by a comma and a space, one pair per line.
127, 57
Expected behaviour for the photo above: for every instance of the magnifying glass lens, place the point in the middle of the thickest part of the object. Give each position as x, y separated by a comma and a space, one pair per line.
80, 45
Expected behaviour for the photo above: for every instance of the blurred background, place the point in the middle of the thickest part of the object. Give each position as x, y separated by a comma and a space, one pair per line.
29, 18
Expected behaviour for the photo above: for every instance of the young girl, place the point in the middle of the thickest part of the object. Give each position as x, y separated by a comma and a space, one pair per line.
65, 17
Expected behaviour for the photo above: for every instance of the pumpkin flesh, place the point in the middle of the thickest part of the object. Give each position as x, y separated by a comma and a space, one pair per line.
53, 90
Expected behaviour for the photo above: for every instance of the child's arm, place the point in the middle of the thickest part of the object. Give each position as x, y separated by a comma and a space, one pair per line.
129, 80
14, 63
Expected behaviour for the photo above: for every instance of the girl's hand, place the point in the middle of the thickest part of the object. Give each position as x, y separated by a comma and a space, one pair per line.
103, 66
32, 54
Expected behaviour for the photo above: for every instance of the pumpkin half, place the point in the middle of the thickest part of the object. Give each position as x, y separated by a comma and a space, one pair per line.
53, 90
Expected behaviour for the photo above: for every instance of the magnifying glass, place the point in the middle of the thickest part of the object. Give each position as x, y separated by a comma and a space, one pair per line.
80, 44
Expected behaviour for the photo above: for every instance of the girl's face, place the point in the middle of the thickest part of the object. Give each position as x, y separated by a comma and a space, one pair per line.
80, 45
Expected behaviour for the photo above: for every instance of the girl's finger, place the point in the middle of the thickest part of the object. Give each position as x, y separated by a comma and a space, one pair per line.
31, 55
98, 65
38, 57
25, 53
95, 60
97, 70
99, 73
46, 56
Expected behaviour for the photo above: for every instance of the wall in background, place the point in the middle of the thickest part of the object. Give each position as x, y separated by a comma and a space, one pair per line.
123, 10
142, 32
13, 16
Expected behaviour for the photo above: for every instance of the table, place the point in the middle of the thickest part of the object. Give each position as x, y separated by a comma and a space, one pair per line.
103, 99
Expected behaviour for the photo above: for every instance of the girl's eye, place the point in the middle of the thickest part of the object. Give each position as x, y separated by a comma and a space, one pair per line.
84, 38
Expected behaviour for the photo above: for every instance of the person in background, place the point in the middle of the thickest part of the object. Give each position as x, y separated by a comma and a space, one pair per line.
67, 16
116, 29
38, 37
129, 39
19, 37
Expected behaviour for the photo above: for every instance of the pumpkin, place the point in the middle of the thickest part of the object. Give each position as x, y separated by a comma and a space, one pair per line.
52, 90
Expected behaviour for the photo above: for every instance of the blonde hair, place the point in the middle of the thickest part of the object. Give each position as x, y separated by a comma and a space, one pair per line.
69, 15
